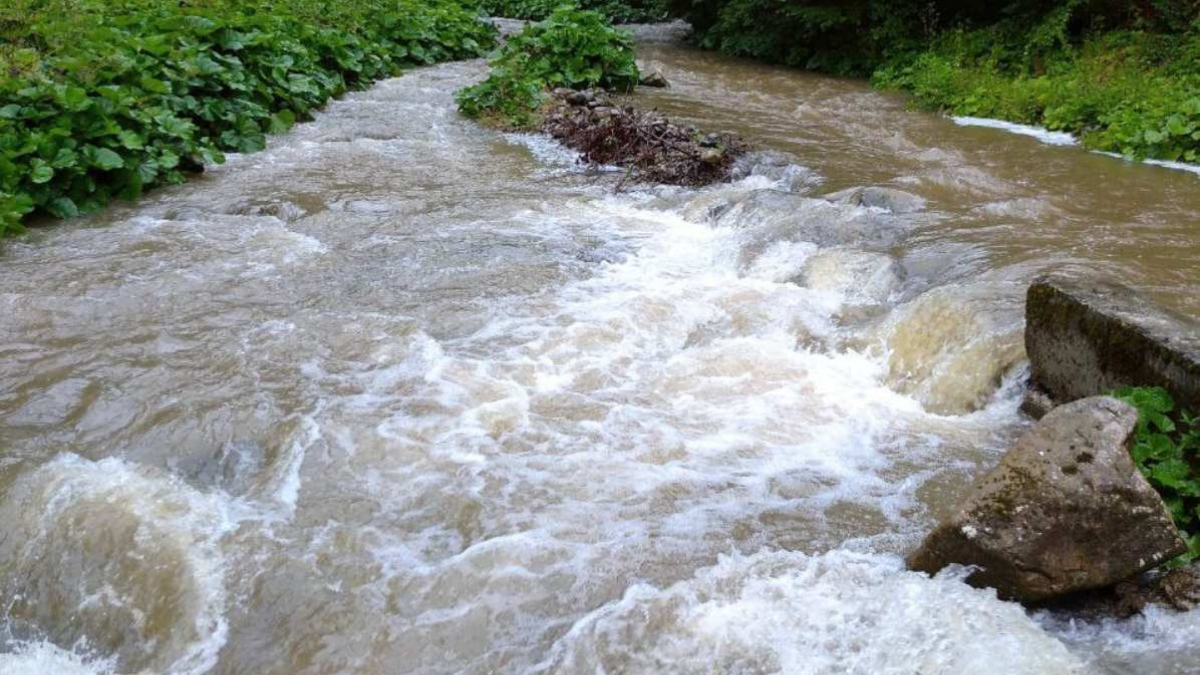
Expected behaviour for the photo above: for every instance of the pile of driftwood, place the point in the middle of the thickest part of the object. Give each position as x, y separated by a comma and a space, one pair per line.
651, 148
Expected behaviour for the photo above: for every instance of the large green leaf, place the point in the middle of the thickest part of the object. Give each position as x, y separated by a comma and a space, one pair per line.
107, 160
41, 172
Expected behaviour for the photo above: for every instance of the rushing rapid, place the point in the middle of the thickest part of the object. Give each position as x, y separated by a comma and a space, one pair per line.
404, 395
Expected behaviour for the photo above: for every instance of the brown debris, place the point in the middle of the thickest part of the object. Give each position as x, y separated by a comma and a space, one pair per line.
653, 149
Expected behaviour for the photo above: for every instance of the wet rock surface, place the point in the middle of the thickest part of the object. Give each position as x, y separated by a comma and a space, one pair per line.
780, 167
1178, 589
1065, 511
652, 148
1088, 338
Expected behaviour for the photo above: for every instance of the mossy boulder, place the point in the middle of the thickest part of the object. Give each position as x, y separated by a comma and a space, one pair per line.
1089, 338
1064, 511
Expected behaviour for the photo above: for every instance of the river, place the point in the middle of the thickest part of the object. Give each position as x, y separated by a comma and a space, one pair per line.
404, 395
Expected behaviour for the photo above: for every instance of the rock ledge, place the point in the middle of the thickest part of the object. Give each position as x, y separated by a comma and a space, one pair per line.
1088, 338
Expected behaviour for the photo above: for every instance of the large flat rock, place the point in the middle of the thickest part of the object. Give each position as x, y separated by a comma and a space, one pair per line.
1064, 511
1088, 338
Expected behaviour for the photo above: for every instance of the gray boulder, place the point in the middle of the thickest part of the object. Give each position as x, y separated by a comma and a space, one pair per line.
1088, 338
1064, 511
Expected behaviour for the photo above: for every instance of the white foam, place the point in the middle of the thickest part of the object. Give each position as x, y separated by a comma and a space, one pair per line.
1063, 138
1157, 642
550, 152
837, 613
1177, 166
44, 658
781, 261
1044, 135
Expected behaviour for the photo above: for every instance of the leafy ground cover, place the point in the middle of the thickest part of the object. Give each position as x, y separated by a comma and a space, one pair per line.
102, 99
572, 48
1124, 76
1167, 451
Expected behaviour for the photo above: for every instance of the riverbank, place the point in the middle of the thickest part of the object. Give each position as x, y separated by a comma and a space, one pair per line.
1125, 81
102, 100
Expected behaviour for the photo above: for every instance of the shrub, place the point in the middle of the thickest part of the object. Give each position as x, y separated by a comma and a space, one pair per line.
106, 99
573, 48
1167, 451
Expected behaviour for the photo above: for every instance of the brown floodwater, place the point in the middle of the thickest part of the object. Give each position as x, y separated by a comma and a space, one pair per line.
404, 395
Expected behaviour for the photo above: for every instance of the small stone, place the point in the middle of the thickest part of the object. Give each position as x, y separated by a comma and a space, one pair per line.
580, 98
712, 156
654, 79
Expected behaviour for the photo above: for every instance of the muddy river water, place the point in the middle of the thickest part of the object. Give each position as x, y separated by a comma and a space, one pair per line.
403, 395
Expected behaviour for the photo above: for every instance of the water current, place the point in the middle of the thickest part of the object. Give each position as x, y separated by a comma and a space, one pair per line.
404, 395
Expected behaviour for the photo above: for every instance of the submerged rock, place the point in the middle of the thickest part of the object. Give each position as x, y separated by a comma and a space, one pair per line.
888, 199
1088, 338
769, 216
1066, 510
776, 166
864, 277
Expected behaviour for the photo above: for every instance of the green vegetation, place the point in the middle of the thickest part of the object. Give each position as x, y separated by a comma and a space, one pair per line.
617, 11
1124, 76
573, 48
105, 98
1167, 451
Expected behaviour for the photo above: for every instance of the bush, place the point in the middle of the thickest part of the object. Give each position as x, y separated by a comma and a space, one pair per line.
573, 48
1167, 451
616, 11
105, 99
